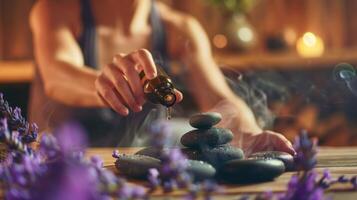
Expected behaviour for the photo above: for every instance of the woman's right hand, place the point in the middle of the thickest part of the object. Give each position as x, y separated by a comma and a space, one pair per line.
119, 85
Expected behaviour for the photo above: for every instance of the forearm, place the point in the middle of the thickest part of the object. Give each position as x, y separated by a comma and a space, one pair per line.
212, 93
71, 85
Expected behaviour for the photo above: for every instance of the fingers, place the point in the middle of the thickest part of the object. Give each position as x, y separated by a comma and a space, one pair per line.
121, 85
127, 67
144, 58
280, 143
179, 96
266, 141
108, 95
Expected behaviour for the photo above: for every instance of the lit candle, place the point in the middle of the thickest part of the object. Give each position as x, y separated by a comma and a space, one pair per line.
310, 45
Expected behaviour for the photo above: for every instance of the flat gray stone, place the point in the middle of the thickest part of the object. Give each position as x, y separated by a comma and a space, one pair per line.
200, 170
205, 120
136, 166
219, 155
252, 170
206, 137
192, 154
151, 151
286, 158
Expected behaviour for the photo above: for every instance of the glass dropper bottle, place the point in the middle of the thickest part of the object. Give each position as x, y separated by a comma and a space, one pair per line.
160, 89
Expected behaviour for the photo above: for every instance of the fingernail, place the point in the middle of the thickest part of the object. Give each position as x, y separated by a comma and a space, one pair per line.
140, 108
125, 112
137, 108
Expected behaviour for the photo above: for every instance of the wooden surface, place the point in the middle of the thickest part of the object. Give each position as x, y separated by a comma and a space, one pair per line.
339, 160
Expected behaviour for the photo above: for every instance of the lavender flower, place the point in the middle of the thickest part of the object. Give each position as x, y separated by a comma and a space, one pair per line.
16, 122
153, 178
56, 172
11, 139
160, 133
306, 151
173, 169
71, 138
342, 179
115, 154
354, 182
206, 189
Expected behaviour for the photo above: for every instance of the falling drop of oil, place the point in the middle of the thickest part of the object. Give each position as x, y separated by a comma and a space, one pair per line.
168, 113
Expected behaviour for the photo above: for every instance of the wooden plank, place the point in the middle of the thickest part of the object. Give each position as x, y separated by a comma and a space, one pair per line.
16, 71
340, 161
285, 61
22, 71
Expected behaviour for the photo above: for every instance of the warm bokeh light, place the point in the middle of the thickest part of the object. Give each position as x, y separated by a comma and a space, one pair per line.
220, 41
310, 45
245, 34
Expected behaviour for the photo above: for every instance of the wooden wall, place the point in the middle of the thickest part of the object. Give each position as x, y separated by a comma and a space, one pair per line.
334, 20
15, 35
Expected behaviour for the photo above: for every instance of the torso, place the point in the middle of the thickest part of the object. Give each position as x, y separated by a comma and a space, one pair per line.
112, 40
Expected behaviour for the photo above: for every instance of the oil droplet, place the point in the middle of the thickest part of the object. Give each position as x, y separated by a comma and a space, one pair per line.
168, 113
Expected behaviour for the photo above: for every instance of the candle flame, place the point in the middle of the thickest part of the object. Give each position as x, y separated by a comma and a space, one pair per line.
310, 45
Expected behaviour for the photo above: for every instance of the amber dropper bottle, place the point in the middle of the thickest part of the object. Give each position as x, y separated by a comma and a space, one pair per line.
160, 90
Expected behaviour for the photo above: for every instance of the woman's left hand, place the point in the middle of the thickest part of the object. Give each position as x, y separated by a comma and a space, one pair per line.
264, 141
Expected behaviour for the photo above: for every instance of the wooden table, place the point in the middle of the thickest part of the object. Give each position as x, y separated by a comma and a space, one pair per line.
339, 160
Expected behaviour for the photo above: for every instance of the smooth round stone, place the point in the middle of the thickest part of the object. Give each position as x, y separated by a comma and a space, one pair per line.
286, 158
207, 137
200, 170
192, 154
136, 166
205, 120
151, 151
219, 155
250, 171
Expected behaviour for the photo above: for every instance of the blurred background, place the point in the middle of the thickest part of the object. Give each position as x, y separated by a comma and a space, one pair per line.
289, 51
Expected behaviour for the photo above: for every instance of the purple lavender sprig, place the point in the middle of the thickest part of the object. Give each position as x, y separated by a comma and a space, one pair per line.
306, 150
16, 122
11, 139
58, 171
173, 171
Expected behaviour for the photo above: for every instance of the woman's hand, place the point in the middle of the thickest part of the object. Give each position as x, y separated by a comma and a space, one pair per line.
264, 141
119, 85
247, 134
251, 138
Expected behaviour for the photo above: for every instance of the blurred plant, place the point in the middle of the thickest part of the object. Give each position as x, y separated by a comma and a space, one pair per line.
26, 132
15, 131
235, 6
173, 171
58, 170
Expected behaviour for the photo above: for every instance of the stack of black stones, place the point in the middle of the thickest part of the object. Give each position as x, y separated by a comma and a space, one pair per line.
210, 156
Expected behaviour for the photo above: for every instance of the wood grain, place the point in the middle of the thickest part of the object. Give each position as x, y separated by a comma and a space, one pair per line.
339, 160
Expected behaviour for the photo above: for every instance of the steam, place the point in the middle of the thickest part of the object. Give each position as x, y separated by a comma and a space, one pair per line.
347, 73
253, 90
249, 89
